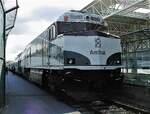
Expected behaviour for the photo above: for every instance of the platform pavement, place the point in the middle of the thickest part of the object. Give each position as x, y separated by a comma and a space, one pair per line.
23, 97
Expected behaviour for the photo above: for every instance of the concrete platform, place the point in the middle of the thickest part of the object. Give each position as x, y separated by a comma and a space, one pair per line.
25, 98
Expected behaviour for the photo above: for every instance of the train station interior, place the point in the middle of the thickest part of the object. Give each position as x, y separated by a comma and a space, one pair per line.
128, 19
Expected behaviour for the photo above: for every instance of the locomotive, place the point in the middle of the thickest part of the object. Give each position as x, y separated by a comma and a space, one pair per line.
74, 47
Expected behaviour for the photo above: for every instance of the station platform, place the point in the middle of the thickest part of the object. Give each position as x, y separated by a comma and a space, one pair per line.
23, 97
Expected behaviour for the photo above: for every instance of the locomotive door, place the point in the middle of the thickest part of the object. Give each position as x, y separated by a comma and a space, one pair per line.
49, 54
45, 51
51, 46
29, 57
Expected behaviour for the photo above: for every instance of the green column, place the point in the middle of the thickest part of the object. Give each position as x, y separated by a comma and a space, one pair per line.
2, 81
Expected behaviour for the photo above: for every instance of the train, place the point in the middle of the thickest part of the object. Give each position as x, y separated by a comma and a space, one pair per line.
73, 48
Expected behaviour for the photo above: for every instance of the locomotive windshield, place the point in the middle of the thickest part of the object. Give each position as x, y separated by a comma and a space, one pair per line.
66, 27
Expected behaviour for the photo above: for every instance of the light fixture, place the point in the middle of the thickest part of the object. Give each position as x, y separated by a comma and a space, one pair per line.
142, 10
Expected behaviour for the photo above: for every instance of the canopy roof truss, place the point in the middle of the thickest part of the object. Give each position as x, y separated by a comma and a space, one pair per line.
136, 41
123, 16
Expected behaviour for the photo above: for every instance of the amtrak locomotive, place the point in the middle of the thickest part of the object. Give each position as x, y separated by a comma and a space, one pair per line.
72, 48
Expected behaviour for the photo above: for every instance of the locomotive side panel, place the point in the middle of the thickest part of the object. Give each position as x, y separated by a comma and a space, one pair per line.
56, 53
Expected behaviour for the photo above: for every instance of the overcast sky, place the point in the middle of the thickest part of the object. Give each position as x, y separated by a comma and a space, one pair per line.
34, 16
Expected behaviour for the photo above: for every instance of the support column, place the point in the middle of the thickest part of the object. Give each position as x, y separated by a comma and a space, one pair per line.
2, 58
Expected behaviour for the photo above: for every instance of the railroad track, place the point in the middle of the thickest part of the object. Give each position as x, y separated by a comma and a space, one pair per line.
101, 106
135, 108
98, 106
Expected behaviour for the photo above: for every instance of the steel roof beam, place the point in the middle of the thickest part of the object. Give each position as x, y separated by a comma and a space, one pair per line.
12, 9
127, 9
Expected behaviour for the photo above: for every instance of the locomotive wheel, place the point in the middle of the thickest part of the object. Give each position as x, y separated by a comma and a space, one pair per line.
119, 81
45, 81
99, 86
52, 88
27, 74
54, 83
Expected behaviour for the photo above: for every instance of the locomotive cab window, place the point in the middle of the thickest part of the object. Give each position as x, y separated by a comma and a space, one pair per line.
66, 27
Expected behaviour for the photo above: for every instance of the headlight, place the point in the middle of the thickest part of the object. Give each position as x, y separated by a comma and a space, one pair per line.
70, 60
118, 62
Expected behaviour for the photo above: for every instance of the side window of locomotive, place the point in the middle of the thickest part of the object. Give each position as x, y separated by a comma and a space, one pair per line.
52, 32
33, 49
28, 52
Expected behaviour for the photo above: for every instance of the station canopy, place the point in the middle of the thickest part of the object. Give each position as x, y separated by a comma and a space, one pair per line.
122, 16
10, 11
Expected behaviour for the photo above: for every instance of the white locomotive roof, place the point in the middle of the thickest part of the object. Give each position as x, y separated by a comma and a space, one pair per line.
78, 16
